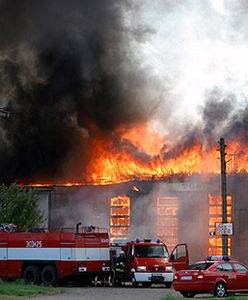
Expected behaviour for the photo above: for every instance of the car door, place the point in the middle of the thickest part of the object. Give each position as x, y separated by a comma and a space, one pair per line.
129, 261
241, 272
226, 271
179, 257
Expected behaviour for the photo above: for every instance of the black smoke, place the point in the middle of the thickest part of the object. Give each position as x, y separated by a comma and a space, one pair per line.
221, 117
238, 125
66, 74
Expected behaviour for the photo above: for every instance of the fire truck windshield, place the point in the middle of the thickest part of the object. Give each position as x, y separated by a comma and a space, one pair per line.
151, 251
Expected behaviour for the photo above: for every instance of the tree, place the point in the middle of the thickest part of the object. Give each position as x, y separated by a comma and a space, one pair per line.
19, 205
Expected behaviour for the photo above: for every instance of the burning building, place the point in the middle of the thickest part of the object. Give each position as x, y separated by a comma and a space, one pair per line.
116, 111
173, 211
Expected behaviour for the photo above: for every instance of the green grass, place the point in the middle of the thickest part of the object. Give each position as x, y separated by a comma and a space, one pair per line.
19, 288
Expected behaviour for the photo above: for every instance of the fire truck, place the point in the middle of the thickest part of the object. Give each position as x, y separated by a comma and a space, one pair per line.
84, 254
52, 256
148, 262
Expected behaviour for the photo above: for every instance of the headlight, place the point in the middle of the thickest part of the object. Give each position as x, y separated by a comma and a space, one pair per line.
176, 277
141, 268
168, 268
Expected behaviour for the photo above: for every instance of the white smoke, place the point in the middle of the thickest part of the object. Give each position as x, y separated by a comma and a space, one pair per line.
193, 47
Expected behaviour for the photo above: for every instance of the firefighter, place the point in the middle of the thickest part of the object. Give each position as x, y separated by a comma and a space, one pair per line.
120, 263
118, 273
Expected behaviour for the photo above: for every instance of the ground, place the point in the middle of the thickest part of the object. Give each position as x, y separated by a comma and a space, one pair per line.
109, 293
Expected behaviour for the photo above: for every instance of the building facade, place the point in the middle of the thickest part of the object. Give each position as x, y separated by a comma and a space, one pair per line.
176, 210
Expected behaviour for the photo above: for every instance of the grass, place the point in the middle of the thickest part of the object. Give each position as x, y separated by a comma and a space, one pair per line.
20, 288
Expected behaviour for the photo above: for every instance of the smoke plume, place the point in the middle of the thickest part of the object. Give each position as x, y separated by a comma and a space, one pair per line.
73, 72
67, 75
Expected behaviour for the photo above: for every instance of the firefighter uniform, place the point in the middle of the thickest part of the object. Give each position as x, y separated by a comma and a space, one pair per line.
120, 265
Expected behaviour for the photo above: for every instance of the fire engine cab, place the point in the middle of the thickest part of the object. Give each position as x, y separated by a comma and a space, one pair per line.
49, 256
148, 262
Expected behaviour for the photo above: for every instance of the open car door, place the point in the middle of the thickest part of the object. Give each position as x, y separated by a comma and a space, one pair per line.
180, 257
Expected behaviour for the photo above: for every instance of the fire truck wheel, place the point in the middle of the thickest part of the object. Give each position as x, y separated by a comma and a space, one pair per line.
49, 275
31, 274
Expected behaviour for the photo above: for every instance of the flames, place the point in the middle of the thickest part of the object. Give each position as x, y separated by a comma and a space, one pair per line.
129, 161
143, 154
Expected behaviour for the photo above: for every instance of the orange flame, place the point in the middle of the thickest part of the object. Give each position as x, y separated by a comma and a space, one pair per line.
112, 165
141, 154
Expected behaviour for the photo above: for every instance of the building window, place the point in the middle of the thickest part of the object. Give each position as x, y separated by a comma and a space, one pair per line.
215, 216
167, 220
119, 218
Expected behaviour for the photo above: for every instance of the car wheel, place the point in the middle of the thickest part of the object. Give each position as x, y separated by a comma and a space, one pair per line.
31, 274
220, 290
188, 294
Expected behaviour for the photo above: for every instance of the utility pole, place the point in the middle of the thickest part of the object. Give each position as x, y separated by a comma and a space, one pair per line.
223, 194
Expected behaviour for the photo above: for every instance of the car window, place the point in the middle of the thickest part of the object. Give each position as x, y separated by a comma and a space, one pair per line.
200, 266
225, 267
240, 268
181, 252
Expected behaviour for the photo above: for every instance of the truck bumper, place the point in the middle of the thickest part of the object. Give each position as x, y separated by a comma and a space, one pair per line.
153, 277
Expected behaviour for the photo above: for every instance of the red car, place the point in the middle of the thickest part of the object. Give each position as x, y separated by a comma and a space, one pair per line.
217, 275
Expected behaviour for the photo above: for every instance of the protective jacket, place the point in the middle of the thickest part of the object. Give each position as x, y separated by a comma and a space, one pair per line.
120, 264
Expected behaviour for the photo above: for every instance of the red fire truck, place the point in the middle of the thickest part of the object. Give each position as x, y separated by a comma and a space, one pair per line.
149, 262
42, 256
83, 254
